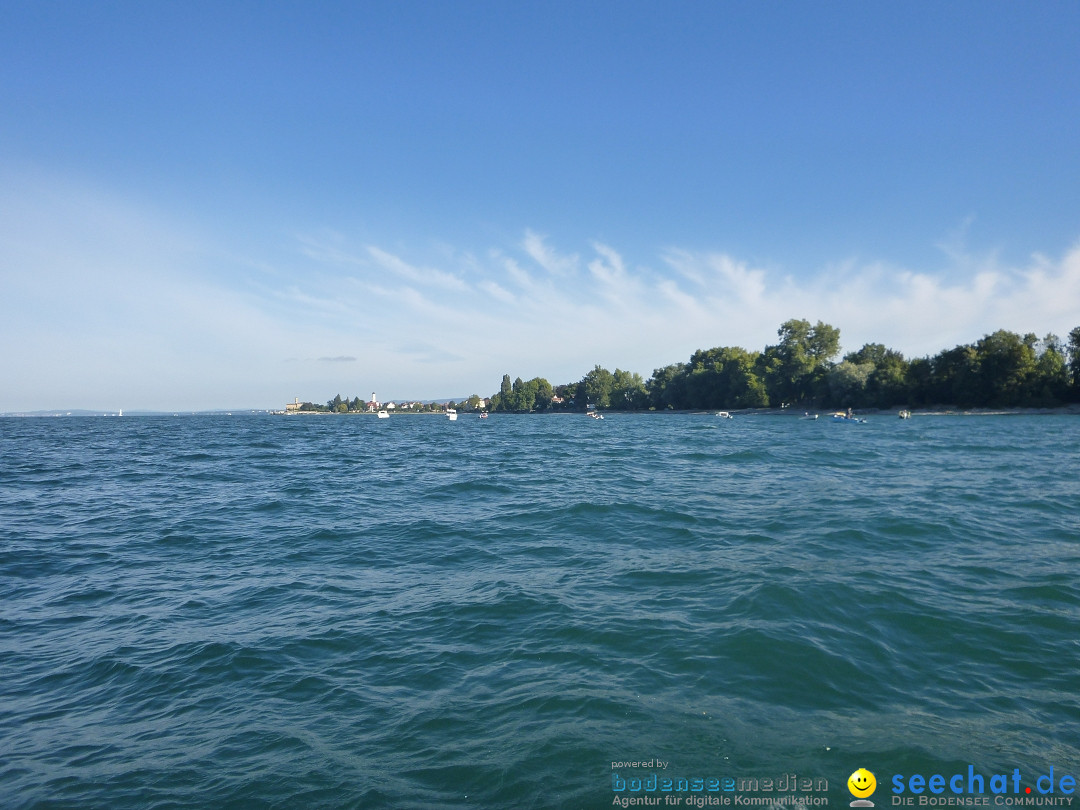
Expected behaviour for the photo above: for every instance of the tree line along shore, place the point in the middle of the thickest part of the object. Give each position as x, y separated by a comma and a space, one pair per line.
1001, 370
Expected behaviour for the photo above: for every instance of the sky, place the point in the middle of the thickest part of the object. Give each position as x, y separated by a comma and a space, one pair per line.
231, 204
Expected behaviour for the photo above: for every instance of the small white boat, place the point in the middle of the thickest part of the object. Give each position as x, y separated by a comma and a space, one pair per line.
595, 415
451, 414
484, 415
905, 414
724, 415
809, 416
384, 414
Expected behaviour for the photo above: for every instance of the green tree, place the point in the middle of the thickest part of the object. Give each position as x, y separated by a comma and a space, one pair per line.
667, 388
887, 384
756, 395
725, 377
919, 382
705, 383
543, 395
870, 353
1074, 361
1006, 368
504, 400
1051, 384
847, 384
954, 378
795, 369
522, 396
521, 399
823, 344
628, 391
527, 394
597, 386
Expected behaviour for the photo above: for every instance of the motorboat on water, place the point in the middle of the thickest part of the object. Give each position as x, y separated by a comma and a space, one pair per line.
451, 414
810, 417
905, 414
484, 415
724, 415
384, 414
595, 415
840, 416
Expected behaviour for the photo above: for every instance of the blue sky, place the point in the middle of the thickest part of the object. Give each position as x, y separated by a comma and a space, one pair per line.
230, 204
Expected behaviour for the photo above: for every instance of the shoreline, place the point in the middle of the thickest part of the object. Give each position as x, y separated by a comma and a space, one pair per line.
932, 410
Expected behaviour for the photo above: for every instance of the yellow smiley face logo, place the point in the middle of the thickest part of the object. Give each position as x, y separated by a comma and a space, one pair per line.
861, 783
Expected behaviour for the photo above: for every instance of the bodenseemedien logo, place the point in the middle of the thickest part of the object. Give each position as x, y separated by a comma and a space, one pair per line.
862, 785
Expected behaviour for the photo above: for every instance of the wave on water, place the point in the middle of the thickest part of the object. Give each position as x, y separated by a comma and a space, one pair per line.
353, 612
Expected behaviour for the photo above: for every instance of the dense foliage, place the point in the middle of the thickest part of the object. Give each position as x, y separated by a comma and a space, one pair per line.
1000, 370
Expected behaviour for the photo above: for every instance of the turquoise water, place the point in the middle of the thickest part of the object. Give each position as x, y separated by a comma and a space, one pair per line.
351, 612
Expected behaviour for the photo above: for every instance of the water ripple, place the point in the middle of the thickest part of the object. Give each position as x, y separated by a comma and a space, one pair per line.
349, 612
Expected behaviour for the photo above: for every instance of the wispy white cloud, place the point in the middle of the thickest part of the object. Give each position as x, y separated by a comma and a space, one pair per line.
537, 248
425, 276
718, 273
612, 281
519, 275
373, 261
608, 267
497, 292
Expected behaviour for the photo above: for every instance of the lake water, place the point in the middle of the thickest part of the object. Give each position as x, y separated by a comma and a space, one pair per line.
267, 611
